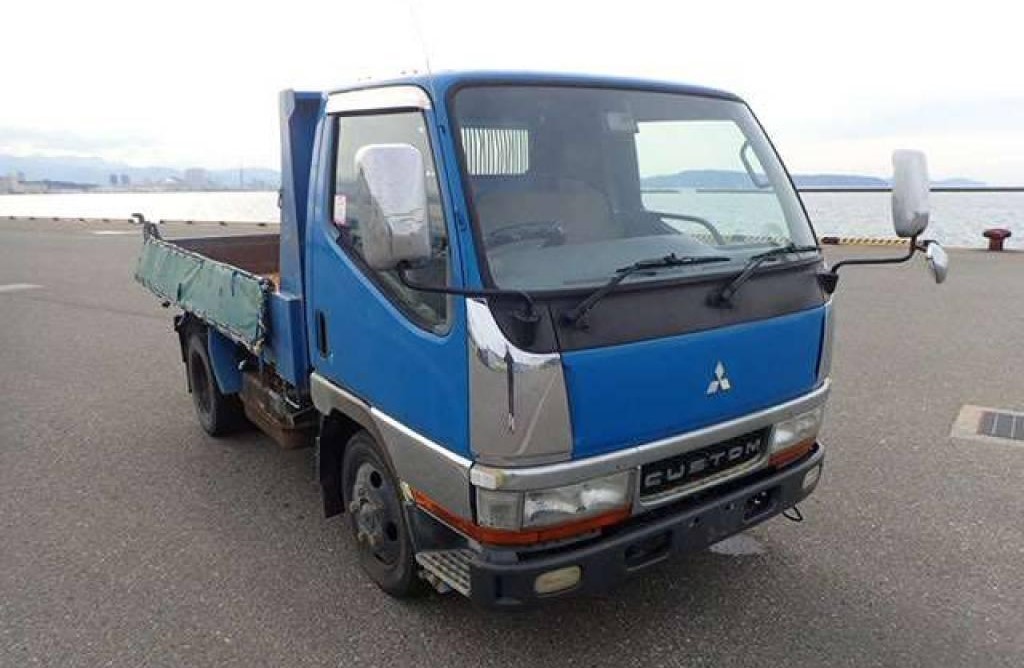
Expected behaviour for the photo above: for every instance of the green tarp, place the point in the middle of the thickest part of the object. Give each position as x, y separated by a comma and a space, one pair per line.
228, 298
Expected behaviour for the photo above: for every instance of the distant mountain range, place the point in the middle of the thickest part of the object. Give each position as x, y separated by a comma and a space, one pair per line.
730, 180
97, 171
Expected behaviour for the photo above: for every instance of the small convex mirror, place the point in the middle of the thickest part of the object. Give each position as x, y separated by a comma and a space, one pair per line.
395, 226
910, 189
938, 261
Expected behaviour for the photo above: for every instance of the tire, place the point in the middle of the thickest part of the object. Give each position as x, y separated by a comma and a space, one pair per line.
219, 414
376, 517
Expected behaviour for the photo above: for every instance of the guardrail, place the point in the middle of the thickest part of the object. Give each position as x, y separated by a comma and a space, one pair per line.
61, 219
862, 241
136, 219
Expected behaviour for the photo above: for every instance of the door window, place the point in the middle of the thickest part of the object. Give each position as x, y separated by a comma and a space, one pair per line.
351, 206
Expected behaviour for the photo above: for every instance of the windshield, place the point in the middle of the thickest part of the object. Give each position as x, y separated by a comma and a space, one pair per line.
569, 184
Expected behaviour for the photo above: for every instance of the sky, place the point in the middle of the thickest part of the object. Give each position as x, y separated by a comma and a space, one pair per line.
838, 86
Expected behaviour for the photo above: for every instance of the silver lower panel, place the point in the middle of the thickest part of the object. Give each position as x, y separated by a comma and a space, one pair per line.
422, 464
448, 478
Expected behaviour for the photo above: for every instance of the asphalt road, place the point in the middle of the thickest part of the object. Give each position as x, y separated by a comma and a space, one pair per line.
130, 538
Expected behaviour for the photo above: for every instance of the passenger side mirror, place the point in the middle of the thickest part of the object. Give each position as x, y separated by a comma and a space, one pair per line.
910, 190
938, 261
396, 226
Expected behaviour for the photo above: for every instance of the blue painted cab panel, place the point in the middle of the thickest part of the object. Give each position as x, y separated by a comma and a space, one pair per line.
286, 347
287, 344
374, 350
300, 113
634, 393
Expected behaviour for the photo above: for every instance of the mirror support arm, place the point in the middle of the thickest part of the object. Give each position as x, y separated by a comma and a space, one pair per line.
526, 319
829, 279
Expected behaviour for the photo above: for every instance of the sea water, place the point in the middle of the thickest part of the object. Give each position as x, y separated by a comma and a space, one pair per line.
958, 218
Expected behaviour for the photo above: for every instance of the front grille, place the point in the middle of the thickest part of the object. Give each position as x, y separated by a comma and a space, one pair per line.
691, 469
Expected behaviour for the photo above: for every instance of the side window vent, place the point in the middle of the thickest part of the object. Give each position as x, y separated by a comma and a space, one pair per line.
496, 151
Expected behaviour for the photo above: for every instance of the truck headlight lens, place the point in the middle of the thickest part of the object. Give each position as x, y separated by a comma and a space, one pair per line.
573, 502
797, 429
557, 505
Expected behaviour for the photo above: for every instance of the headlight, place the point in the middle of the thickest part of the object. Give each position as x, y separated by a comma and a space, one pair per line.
557, 505
586, 499
797, 429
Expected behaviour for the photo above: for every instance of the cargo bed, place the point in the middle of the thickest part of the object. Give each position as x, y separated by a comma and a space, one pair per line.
224, 281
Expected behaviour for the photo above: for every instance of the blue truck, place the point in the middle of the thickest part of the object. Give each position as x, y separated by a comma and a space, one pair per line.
541, 331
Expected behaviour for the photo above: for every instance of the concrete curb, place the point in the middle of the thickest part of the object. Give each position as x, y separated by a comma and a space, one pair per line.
59, 219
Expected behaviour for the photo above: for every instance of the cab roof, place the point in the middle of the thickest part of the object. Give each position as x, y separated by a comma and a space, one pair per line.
442, 82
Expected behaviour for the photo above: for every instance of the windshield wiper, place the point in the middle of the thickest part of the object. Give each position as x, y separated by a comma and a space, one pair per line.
724, 295
576, 316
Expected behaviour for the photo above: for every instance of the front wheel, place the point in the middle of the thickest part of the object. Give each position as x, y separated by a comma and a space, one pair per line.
377, 519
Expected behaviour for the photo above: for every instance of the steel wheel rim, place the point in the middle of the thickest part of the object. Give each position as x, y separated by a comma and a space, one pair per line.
375, 515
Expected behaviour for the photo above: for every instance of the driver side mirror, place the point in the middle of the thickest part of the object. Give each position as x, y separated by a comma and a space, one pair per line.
395, 227
910, 188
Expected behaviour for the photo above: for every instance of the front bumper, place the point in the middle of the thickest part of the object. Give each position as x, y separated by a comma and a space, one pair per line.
646, 540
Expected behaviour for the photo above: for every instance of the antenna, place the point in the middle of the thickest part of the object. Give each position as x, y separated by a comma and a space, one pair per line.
411, 4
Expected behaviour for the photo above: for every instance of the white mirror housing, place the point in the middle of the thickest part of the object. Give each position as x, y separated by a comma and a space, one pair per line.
938, 261
396, 226
910, 188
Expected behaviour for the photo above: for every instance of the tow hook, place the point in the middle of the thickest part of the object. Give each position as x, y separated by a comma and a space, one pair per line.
793, 514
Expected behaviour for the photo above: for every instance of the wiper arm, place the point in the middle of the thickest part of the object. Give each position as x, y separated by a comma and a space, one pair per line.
723, 296
576, 316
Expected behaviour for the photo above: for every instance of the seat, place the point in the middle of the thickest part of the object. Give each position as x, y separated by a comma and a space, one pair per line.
582, 211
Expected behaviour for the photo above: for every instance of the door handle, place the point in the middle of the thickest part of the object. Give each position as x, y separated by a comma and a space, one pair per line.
321, 334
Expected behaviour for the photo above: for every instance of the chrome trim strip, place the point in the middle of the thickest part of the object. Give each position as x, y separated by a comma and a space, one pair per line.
327, 396
567, 473
376, 99
825, 361
400, 430
423, 464
532, 426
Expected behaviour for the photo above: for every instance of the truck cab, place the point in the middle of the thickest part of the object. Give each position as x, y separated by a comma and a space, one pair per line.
543, 331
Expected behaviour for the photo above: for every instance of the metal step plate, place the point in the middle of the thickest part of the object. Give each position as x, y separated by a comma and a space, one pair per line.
451, 566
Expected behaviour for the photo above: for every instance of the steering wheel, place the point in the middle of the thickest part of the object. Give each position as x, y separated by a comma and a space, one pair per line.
550, 232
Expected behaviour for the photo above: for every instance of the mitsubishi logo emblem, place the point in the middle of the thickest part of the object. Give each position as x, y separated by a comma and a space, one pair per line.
721, 381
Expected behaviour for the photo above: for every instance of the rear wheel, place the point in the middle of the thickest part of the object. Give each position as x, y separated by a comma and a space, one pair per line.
377, 519
219, 414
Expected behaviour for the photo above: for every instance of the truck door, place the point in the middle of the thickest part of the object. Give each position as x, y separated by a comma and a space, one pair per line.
401, 351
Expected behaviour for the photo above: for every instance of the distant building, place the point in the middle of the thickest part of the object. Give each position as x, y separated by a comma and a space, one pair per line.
51, 186
14, 182
113, 180
125, 181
